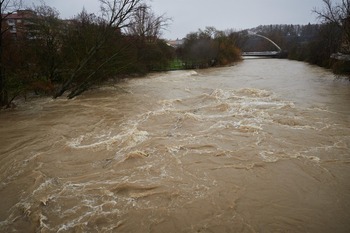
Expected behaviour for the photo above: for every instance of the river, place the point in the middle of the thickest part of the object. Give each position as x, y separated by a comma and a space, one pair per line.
262, 146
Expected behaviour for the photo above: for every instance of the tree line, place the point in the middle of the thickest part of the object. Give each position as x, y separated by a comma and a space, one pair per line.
318, 44
52, 56
209, 47
312, 43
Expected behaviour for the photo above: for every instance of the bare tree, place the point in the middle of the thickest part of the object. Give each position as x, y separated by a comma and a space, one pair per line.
46, 28
339, 15
7, 7
116, 15
145, 24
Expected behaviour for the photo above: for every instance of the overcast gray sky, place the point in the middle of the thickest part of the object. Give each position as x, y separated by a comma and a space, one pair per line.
190, 15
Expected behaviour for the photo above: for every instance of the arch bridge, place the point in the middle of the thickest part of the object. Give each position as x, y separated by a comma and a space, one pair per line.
277, 53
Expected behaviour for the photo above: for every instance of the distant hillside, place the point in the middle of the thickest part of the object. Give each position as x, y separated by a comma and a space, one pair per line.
284, 35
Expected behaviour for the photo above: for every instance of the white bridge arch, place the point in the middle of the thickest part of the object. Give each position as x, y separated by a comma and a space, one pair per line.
266, 53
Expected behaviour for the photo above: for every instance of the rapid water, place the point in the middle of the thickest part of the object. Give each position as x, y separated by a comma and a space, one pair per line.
262, 146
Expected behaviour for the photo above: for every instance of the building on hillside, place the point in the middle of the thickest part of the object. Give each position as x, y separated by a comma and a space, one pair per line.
17, 23
175, 43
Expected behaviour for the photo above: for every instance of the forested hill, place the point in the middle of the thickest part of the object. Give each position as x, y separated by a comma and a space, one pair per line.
289, 31
314, 43
286, 36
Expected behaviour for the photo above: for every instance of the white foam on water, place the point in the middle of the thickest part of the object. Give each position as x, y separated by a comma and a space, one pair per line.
129, 137
308, 157
137, 137
244, 125
268, 156
247, 111
253, 92
192, 73
102, 140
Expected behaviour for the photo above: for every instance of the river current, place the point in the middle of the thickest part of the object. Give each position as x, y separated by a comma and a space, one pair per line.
262, 146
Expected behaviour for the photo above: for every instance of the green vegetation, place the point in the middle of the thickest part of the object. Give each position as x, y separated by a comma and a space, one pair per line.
176, 64
209, 48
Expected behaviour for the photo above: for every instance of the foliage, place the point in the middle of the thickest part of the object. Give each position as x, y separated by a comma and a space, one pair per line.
313, 43
52, 56
208, 48
7, 7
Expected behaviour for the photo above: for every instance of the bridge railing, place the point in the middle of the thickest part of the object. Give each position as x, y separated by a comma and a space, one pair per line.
262, 54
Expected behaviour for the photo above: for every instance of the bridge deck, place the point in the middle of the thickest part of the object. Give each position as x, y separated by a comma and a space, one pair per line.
262, 54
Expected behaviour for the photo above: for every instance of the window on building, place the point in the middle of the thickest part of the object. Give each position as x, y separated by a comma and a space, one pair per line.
13, 29
11, 22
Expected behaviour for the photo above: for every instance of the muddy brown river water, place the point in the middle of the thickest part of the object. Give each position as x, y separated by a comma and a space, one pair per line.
263, 146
